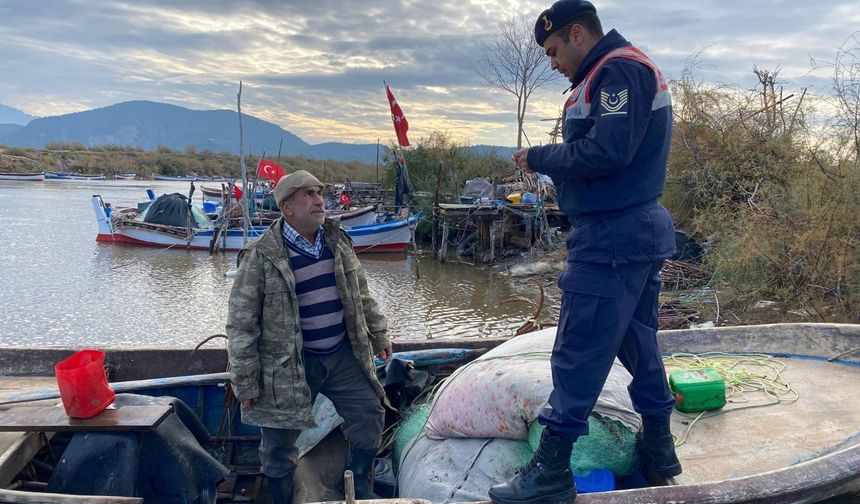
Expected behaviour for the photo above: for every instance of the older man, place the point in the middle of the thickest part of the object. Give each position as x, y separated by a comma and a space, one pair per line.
301, 321
609, 172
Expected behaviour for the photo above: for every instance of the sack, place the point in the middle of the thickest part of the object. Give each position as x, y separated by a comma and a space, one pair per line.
503, 391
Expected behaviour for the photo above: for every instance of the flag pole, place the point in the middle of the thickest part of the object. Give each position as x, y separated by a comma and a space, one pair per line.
400, 159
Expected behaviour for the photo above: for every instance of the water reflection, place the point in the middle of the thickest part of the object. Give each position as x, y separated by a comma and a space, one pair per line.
61, 288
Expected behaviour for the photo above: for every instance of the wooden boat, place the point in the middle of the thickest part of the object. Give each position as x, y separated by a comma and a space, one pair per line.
72, 176
32, 177
125, 176
352, 218
216, 194
179, 178
805, 452
392, 236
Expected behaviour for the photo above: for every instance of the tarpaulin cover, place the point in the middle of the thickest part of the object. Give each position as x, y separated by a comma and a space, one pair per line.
172, 210
167, 465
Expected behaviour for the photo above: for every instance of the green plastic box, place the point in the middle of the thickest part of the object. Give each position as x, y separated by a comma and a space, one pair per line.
698, 390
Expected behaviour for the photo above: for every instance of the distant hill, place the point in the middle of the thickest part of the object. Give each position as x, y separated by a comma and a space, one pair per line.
149, 125
8, 129
9, 115
502, 152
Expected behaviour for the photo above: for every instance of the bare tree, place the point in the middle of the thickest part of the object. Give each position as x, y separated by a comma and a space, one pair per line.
846, 93
512, 61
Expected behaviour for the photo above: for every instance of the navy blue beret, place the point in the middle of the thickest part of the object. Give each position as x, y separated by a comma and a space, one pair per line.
561, 13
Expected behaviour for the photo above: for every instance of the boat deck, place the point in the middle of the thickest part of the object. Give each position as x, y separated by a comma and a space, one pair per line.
727, 445
754, 440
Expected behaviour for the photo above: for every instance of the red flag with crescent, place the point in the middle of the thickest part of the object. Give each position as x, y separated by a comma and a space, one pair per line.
270, 170
401, 126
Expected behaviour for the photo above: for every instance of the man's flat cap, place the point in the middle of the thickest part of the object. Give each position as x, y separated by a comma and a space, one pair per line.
291, 183
561, 13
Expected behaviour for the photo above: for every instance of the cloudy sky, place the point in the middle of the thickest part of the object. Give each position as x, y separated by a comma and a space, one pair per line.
316, 67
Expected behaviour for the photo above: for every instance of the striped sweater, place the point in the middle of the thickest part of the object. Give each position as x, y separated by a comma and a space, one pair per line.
320, 309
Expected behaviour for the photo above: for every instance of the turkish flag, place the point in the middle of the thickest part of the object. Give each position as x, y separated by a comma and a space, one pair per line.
345, 199
270, 170
237, 193
401, 125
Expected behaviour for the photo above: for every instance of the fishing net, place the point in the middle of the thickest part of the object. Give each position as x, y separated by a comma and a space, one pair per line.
411, 424
608, 445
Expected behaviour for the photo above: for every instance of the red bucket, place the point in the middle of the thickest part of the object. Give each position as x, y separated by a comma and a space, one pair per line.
83, 384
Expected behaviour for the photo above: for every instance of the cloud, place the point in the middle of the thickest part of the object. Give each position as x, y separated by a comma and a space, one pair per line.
316, 68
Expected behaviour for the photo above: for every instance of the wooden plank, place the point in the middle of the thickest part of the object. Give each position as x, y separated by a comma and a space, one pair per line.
15, 496
119, 387
15, 456
54, 419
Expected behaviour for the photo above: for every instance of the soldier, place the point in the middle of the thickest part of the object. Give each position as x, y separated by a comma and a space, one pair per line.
301, 321
609, 172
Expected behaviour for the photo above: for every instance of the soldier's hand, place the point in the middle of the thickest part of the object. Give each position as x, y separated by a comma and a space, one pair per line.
385, 354
248, 404
521, 159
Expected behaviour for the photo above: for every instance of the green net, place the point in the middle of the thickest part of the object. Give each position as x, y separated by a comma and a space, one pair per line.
412, 422
608, 445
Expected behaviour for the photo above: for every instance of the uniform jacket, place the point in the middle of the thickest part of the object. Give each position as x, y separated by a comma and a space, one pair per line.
264, 345
611, 168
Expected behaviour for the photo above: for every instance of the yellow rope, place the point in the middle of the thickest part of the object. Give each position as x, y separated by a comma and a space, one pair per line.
745, 375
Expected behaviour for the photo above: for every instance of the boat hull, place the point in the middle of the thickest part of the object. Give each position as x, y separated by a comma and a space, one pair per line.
833, 472
393, 236
27, 177
71, 176
352, 218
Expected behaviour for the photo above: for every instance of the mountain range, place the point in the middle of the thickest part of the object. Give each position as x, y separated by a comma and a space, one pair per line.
150, 125
9, 115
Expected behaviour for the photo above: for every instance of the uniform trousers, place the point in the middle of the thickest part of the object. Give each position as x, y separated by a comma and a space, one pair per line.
606, 311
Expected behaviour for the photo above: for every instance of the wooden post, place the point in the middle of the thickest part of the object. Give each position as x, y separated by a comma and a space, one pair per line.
435, 228
443, 250
493, 226
529, 233
242, 164
348, 487
483, 242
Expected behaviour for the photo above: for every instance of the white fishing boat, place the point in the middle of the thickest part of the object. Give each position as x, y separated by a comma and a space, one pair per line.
352, 218
72, 176
32, 177
190, 228
182, 178
391, 236
124, 176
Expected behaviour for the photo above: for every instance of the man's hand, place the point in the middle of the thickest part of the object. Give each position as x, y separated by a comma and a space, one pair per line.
521, 159
248, 404
385, 354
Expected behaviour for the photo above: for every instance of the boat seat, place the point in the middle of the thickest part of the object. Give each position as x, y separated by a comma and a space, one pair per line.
129, 418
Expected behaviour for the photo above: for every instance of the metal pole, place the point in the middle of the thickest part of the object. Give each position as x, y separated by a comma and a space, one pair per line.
377, 161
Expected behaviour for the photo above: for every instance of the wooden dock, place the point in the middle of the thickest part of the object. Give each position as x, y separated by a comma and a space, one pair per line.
485, 231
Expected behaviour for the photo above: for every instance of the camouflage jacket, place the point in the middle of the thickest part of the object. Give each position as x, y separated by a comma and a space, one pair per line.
264, 345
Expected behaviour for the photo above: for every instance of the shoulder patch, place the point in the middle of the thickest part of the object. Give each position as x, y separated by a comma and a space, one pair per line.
613, 101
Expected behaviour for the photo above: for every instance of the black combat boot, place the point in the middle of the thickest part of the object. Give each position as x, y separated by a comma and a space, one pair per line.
281, 489
360, 462
546, 479
657, 448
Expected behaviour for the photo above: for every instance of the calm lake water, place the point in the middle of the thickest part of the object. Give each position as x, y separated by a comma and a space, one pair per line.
61, 288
